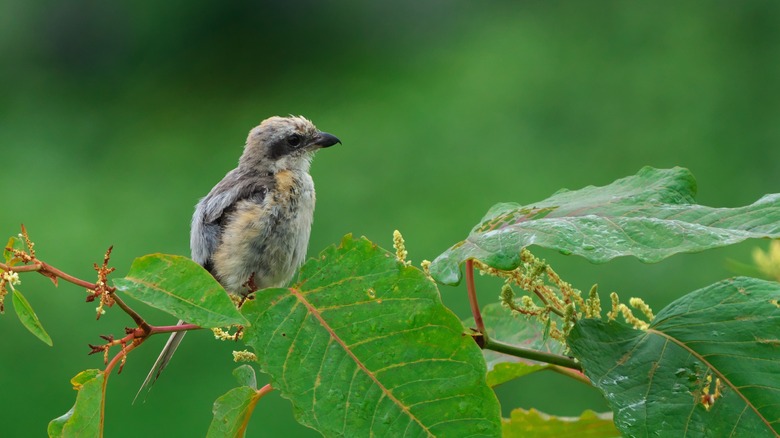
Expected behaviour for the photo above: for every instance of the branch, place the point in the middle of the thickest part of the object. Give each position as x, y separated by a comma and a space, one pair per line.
44, 269
98, 288
172, 328
142, 324
536, 355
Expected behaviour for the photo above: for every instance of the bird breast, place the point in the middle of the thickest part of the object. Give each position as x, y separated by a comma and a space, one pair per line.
267, 240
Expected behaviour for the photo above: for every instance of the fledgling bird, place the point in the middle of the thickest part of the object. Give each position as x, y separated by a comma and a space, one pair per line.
252, 230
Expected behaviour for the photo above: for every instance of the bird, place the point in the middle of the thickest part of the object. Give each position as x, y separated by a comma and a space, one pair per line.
251, 231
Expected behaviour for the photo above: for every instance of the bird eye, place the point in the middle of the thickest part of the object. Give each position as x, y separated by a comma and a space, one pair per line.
294, 140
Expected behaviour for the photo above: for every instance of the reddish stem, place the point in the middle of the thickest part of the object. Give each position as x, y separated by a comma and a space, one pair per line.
577, 375
251, 408
472, 293
142, 324
172, 328
43, 268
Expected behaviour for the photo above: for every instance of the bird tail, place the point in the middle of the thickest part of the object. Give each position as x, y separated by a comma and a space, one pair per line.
162, 360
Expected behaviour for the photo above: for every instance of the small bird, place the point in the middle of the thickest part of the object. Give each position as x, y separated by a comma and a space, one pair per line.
252, 230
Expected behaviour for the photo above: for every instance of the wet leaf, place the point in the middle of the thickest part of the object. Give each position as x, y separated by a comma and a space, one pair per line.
650, 216
707, 366
83, 419
515, 330
362, 346
28, 317
535, 424
181, 287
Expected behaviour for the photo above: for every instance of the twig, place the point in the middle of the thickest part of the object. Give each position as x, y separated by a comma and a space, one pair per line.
172, 328
44, 268
536, 355
142, 324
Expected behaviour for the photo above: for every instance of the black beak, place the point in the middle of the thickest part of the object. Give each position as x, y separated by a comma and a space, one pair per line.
326, 140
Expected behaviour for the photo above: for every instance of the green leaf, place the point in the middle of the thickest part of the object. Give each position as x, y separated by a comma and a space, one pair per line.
650, 216
726, 335
28, 317
520, 331
232, 412
13, 243
83, 420
245, 375
535, 424
362, 345
181, 287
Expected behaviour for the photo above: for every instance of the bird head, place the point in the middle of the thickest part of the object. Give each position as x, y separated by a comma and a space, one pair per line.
284, 143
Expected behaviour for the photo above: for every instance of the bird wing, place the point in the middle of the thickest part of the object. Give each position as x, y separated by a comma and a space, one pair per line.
214, 209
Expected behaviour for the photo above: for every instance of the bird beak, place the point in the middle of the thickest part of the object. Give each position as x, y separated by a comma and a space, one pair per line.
325, 140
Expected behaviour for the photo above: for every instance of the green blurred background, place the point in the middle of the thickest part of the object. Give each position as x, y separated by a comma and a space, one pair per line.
115, 117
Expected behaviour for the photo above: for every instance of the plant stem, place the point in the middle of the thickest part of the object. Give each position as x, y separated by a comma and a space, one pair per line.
44, 268
133, 314
251, 408
472, 293
527, 353
574, 374
172, 328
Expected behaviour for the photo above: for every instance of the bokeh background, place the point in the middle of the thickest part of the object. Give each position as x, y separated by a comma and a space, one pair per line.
115, 117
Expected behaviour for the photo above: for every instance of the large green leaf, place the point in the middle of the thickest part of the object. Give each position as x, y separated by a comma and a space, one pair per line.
28, 317
83, 419
724, 336
515, 330
182, 288
535, 424
363, 346
650, 216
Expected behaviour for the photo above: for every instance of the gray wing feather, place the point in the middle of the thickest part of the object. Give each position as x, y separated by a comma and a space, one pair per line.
162, 360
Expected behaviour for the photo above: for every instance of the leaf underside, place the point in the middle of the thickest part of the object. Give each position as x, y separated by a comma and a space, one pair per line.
650, 216
726, 335
363, 346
